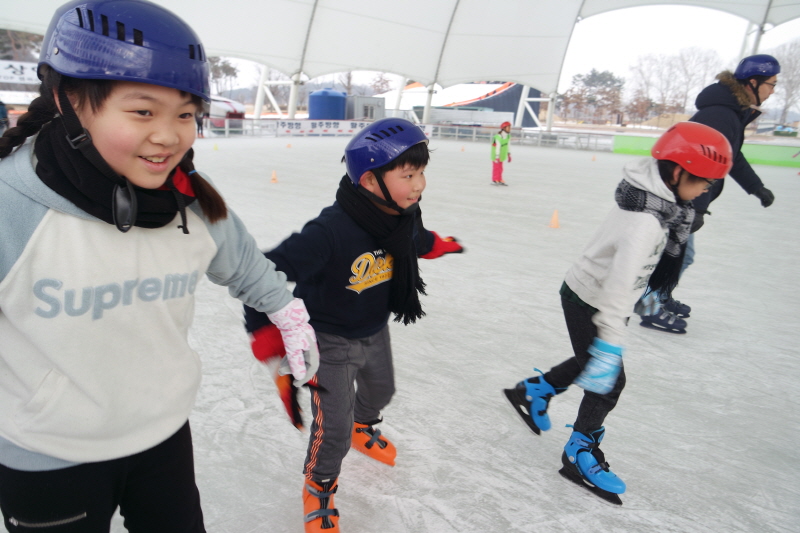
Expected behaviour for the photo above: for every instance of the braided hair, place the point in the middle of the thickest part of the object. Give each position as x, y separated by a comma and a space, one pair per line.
43, 109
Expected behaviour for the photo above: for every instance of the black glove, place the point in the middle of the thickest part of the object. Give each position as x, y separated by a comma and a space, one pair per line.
698, 221
766, 196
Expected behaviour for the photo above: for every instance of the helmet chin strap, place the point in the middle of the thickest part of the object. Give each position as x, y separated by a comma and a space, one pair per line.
123, 201
755, 90
388, 201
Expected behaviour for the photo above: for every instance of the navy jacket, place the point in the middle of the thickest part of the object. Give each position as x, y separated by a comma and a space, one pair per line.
341, 273
719, 108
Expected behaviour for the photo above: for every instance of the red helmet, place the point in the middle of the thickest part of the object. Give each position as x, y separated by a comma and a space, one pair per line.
699, 149
504, 124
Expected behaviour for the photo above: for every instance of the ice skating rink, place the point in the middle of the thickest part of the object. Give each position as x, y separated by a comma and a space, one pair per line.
705, 435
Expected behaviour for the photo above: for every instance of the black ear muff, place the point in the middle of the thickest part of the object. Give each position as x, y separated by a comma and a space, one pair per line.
123, 206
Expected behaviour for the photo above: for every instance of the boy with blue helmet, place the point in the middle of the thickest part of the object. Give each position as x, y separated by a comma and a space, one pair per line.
355, 265
105, 230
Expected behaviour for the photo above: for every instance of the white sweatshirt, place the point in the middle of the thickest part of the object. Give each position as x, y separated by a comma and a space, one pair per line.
612, 272
94, 358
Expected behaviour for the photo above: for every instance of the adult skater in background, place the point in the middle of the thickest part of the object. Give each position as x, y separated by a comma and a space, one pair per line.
355, 265
639, 246
728, 106
500, 152
105, 229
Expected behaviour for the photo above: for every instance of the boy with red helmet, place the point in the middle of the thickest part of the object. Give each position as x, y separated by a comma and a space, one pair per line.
638, 247
355, 265
500, 152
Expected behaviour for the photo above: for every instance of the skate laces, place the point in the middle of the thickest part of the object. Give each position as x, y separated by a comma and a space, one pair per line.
590, 446
323, 496
669, 316
374, 437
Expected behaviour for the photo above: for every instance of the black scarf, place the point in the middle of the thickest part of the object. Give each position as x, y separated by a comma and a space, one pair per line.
676, 216
395, 234
71, 175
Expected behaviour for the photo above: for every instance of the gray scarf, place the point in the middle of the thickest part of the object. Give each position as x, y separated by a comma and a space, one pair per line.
677, 216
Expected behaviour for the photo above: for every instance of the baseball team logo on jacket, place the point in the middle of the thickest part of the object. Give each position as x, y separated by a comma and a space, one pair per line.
370, 269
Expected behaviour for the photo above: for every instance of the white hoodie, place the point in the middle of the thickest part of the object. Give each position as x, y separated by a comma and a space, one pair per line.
94, 358
612, 272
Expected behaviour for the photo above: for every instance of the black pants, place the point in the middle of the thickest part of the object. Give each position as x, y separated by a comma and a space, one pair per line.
155, 491
582, 331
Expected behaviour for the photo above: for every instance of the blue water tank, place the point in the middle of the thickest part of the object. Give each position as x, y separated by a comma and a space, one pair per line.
327, 104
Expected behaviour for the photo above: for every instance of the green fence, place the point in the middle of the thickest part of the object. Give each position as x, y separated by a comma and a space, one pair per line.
756, 154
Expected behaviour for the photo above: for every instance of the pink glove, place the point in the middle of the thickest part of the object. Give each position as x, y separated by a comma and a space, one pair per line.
302, 354
509, 158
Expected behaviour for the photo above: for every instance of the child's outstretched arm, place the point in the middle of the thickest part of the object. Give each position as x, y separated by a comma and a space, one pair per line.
441, 246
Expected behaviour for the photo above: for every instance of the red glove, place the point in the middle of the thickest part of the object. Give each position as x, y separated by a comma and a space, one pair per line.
267, 346
509, 158
448, 245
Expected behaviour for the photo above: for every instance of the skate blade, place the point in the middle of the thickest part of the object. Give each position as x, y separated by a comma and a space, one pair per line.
511, 395
659, 328
610, 497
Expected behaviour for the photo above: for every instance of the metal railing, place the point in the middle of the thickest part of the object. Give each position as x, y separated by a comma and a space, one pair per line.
571, 140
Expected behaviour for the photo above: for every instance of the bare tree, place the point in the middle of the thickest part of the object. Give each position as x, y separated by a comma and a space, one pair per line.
20, 46
640, 107
380, 83
346, 81
788, 88
694, 68
223, 73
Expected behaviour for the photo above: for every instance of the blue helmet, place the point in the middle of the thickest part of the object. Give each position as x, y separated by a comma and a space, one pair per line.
126, 40
757, 65
380, 143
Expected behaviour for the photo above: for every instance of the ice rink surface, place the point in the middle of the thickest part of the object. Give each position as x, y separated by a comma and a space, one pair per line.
706, 432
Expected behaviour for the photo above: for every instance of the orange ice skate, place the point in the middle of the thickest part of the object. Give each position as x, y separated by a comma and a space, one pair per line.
320, 514
369, 441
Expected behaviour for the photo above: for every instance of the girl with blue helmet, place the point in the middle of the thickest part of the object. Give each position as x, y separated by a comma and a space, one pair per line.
105, 230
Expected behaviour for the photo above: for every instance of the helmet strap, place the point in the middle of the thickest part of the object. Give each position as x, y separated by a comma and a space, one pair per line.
388, 201
755, 90
124, 204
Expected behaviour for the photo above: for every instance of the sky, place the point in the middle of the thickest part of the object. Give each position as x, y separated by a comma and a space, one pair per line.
613, 41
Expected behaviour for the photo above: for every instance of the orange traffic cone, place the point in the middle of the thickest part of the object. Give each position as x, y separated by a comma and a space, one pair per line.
462, 148
289, 145
274, 177
594, 158
554, 219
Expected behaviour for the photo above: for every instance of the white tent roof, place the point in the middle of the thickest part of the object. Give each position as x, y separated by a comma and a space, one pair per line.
446, 41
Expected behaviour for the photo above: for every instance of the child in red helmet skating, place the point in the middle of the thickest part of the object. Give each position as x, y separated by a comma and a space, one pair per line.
638, 247
500, 152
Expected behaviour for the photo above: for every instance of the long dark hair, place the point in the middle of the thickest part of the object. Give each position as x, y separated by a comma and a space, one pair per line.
94, 93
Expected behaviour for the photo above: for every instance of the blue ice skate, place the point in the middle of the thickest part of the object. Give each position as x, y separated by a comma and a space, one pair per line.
585, 465
530, 399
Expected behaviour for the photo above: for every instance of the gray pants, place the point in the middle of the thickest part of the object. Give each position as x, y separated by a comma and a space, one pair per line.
337, 403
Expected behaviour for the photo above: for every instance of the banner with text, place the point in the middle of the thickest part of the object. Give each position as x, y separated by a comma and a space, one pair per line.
18, 72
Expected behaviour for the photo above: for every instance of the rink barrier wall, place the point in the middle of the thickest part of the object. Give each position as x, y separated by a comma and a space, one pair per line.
756, 154
760, 154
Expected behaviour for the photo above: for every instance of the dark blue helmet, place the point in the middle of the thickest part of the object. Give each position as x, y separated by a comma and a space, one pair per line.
757, 65
126, 40
380, 143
